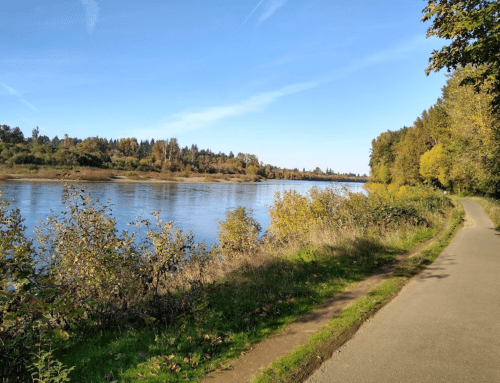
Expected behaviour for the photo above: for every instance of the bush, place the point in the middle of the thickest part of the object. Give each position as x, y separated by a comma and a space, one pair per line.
294, 216
90, 263
239, 232
81, 275
26, 302
113, 277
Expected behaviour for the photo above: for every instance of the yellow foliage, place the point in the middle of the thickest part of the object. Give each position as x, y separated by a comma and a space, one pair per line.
238, 232
290, 215
376, 187
293, 215
403, 191
433, 165
393, 188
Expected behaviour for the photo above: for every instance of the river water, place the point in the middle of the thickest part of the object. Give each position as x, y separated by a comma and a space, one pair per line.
191, 206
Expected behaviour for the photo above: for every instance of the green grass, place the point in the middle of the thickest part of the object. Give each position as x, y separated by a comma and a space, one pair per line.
244, 307
305, 358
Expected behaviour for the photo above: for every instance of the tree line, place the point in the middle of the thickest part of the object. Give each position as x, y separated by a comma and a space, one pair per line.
454, 145
145, 155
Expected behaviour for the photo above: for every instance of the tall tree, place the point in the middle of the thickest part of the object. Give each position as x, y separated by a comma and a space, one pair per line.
473, 29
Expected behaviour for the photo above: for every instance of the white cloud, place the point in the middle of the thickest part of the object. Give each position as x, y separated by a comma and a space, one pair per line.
92, 11
271, 7
251, 13
200, 119
410, 48
18, 95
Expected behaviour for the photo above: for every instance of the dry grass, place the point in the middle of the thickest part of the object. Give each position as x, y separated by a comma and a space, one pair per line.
50, 174
92, 175
163, 176
209, 178
320, 237
221, 176
492, 208
103, 175
4, 176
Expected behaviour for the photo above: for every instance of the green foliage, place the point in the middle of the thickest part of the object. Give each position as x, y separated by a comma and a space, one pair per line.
87, 259
472, 29
81, 275
290, 215
383, 155
239, 232
26, 300
47, 369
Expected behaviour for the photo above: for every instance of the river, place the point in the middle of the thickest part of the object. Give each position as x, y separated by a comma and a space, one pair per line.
191, 206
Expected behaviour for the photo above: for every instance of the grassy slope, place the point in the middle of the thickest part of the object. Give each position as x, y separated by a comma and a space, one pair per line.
245, 307
299, 363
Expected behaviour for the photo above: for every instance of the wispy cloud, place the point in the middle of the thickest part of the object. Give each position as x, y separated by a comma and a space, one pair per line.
92, 14
412, 47
397, 52
251, 13
18, 95
204, 117
271, 7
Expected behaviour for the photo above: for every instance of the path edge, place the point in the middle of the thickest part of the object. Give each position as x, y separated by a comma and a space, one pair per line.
302, 361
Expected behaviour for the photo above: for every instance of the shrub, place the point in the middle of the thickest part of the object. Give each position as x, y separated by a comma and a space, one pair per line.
294, 215
26, 302
90, 263
239, 232
290, 215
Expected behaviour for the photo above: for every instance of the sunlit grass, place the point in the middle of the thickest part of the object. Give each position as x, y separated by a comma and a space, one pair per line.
304, 359
238, 310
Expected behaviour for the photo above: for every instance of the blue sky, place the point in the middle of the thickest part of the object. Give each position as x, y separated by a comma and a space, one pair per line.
298, 83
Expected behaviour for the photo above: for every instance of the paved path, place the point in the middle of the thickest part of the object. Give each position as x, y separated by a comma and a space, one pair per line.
443, 327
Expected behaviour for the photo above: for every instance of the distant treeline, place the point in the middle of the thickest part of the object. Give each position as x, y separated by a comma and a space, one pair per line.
455, 145
144, 155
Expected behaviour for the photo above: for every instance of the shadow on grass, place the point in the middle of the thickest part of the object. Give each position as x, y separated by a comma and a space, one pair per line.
245, 307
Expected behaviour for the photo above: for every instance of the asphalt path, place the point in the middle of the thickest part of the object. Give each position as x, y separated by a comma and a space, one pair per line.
444, 326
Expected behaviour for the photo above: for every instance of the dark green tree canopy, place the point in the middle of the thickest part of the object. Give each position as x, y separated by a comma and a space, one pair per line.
473, 30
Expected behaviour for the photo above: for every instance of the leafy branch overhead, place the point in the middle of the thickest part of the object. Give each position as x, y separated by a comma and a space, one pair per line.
473, 30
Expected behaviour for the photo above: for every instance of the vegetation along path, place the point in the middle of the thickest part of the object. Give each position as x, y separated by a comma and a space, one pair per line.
442, 327
261, 354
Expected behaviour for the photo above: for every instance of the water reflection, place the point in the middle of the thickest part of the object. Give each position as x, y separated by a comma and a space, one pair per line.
191, 206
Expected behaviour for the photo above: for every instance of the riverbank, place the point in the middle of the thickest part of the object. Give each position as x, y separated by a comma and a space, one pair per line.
161, 325
103, 175
44, 173
261, 294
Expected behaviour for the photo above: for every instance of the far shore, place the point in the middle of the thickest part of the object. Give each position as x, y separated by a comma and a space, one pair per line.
124, 176
123, 179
